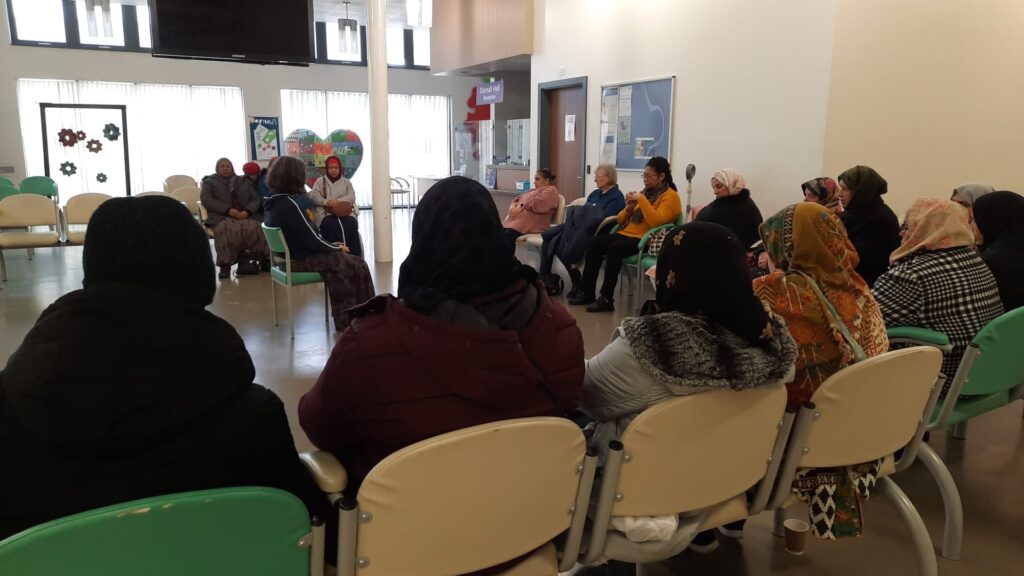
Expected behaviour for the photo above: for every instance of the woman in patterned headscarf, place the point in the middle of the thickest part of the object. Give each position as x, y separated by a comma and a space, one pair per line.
937, 279
827, 306
823, 191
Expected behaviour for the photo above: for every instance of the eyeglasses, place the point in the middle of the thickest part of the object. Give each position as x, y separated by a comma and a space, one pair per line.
646, 175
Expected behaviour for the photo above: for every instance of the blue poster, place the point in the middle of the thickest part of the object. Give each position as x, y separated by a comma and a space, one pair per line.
264, 137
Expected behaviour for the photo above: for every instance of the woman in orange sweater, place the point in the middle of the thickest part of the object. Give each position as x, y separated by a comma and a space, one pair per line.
658, 204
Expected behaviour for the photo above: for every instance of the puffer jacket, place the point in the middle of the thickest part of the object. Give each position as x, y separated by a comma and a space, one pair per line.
216, 197
121, 392
397, 376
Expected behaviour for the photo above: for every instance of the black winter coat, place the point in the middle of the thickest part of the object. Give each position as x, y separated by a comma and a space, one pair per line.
1005, 258
120, 392
874, 231
284, 211
738, 213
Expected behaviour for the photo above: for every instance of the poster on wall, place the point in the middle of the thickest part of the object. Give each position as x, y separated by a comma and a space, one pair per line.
264, 137
636, 122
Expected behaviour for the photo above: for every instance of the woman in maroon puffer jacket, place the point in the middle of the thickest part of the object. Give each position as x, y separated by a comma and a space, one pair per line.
470, 339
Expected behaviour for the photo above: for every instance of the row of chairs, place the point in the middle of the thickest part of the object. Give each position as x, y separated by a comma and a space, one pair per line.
478, 497
41, 185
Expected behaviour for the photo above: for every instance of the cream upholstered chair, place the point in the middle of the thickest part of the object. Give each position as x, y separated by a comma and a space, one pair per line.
25, 211
177, 181
466, 500
666, 464
863, 413
535, 240
77, 213
203, 215
189, 196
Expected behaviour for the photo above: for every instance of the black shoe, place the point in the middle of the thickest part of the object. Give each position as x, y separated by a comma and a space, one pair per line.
574, 276
602, 304
225, 272
265, 265
581, 298
573, 293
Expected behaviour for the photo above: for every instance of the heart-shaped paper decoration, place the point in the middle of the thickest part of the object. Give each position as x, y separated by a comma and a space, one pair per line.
314, 151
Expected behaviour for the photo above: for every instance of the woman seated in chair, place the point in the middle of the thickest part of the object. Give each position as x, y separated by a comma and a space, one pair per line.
937, 279
347, 277
336, 211
872, 226
732, 207
815, 288
128, 388
657, 204
999, 226
705, 311
534, 211
234, 214
471, 339
970, 192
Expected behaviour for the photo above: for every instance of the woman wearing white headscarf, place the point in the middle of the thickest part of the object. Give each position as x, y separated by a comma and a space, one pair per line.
733, 207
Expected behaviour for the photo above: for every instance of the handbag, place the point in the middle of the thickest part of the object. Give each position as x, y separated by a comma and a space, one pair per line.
341, 209
655, 240
248, 264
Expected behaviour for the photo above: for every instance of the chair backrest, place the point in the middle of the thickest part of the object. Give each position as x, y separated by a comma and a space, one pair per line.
578, 202
80, 207
23, 210
189, 195
205, 533
153, 193
41, 185
177, 181
470, 499
560, 211
1000, 364
695, 451
4, 181
6, 191
871, 409
276, 242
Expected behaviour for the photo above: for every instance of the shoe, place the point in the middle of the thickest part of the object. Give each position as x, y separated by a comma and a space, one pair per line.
731, 531
581, 298
704, 543
575, 276
602, 304
573, 293
225, 272
265, 265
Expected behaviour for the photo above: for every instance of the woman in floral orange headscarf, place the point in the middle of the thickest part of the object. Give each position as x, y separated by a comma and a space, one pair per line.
827, 306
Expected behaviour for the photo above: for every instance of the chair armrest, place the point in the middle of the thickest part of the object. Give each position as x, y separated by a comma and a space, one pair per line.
327, 471
922, 336
647, 236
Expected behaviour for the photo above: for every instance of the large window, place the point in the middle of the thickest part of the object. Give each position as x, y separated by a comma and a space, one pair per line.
172, 129
96, 28
38, 20
419, 129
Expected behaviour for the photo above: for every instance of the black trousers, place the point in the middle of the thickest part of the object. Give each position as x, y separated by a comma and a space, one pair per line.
345, 230
612, 249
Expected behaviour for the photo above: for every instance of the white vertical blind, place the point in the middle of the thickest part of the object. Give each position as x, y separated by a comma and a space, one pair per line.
419, 128
172, 128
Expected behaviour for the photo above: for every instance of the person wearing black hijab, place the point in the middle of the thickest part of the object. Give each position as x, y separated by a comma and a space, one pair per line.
999, 219
472, 338
871, 225
130, 388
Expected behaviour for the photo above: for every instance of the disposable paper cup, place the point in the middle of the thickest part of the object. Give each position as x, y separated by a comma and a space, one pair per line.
796, 535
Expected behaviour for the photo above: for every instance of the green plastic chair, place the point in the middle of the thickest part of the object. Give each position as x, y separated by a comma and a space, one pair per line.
281, 256
4, 181
205, 533
6, 191
990, 376
41, 185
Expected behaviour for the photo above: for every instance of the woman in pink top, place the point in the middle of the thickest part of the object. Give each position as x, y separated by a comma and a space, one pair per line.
534, 211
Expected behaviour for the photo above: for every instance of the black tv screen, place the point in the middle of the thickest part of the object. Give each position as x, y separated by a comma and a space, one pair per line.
263, 31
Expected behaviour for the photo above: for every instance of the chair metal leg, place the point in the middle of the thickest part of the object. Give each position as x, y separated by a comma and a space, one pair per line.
779, 518
348, 525
273, 298
291, 313
31, 253
3, 267
317, 550
959, 430
327, 308
953, 536
922, 541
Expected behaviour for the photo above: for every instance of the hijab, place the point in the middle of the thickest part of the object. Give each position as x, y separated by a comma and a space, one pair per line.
333, 160
825, 189
731, 179
216, 172
812, 254
998, 213
934, 224
459, 250
971, 191
867, 186
702, 270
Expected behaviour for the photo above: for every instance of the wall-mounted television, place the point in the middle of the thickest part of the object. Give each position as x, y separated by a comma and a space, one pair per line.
260, 31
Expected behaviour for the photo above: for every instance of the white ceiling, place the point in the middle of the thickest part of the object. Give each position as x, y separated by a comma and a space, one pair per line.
326, 10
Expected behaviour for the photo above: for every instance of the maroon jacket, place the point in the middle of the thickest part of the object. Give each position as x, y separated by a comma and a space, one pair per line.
397, 377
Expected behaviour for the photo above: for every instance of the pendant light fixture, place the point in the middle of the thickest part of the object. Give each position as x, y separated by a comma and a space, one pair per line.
348, 33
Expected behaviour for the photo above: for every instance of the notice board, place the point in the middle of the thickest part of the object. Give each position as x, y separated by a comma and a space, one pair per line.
636, 122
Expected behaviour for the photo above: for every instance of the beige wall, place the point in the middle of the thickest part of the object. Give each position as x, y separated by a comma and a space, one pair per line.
930, 93
751, 80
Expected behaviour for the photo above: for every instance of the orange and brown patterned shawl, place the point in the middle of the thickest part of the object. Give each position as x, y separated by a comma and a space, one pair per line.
808, 245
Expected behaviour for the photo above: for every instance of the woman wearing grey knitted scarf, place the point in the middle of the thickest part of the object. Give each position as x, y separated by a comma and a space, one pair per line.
709, 333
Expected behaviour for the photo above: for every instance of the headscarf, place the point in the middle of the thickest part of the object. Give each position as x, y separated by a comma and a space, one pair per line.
250, 169
149, 241
811, 252
826, 190
866, 184
934, 224
333, 160
459, 250
230, 182
732, 180
971, 191
997, 213
702, 270
216, 173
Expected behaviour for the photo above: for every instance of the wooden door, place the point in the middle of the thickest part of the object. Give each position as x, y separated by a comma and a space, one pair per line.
565, 146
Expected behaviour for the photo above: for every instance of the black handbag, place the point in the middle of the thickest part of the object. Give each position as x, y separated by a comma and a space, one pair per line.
248, 264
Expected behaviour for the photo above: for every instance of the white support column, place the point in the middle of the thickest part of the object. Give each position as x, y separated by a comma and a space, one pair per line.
376, 45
